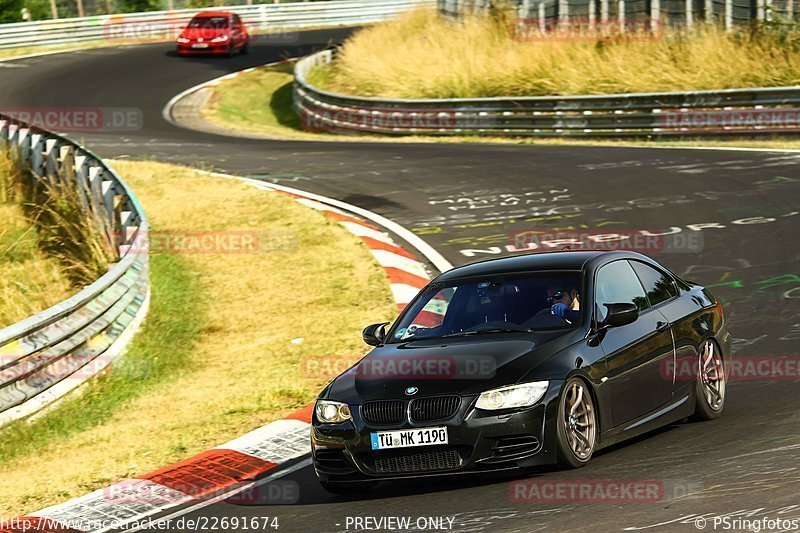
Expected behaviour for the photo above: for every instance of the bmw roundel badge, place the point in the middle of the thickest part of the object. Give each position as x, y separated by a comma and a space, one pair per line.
410, 391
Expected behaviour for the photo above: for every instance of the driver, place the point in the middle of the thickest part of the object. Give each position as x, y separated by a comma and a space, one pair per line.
565, 304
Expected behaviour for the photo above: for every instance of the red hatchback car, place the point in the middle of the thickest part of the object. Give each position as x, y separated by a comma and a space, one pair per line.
214, 32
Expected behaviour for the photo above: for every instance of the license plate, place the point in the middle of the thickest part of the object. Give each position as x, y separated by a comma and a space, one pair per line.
200, 45
407, 438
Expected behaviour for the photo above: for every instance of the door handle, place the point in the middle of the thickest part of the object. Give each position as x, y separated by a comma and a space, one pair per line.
661, 327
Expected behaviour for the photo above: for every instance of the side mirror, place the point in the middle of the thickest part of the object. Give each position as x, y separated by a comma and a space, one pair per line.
620, 314
374, 334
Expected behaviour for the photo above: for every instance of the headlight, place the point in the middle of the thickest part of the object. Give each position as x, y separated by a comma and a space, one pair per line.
522, 395
220, 39
330, 412
183, 40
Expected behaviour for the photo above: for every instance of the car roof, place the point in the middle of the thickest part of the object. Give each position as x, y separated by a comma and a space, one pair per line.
563, 260
206, 14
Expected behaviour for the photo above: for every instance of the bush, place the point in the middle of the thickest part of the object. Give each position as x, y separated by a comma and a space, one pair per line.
10, 10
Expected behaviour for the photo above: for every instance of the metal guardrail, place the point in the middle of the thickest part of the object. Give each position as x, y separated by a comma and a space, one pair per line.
724, 112
167, 25
45, 356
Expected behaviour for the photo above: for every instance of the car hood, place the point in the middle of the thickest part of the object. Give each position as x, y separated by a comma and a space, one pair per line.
460, 365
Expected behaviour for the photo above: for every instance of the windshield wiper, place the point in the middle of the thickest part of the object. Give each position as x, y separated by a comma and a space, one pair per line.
488, 330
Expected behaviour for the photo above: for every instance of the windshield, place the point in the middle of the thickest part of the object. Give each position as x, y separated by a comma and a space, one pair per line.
495, 304
209, 22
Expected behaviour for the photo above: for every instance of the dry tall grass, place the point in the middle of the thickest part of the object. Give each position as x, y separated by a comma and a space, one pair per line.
68, 232
422, 55
30, 280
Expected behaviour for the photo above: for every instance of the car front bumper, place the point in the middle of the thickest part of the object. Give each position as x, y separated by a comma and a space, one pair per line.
478, 441
213, 48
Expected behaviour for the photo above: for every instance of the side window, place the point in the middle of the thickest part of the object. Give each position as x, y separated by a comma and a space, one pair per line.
617, 283
659, 286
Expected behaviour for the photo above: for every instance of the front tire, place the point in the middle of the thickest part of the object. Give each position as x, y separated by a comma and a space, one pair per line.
710, 382
355, 487
576, 424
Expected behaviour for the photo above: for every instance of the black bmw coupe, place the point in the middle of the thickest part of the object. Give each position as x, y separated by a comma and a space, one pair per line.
519, 362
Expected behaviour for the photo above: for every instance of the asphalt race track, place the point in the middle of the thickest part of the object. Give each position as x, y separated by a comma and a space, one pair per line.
738, 210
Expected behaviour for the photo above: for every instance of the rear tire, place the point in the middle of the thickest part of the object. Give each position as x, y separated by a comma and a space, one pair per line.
710, 382
355, 487
576, 424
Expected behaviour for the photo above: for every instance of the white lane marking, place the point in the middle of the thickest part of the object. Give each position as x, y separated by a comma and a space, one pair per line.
319, 206
771, 450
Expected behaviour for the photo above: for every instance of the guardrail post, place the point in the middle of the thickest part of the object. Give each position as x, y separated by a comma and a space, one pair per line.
790, 9
728, 15
760, 10
25, 145
689, 14
604, 12
621, 15
563, 13
708, 12
655, 12
525, 9
592, 15
542, 20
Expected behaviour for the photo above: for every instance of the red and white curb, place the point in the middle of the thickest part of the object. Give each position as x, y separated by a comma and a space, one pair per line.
219, 473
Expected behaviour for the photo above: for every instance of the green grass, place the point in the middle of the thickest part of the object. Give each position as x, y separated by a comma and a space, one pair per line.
260, 101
